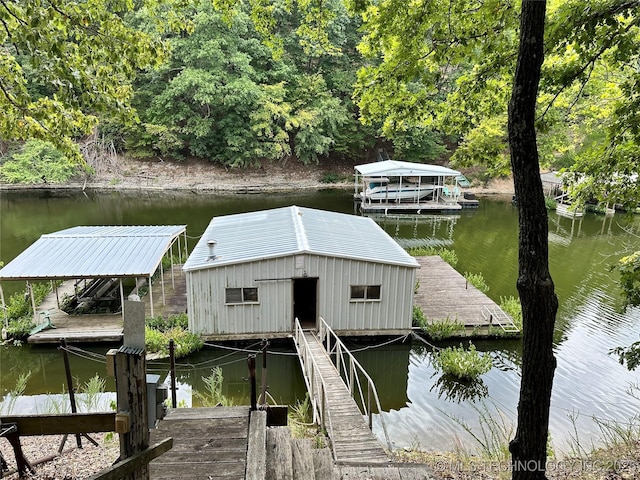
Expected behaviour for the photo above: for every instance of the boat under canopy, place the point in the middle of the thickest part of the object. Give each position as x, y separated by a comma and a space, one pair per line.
393, 184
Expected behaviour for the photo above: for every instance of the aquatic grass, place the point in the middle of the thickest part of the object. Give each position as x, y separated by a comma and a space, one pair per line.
442, 329
7, 406
212, 395
164, 324
89, 394
511, 306
446, 254
477, 280
464, 364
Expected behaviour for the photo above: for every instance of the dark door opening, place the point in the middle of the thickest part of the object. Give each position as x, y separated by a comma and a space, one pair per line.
305, 300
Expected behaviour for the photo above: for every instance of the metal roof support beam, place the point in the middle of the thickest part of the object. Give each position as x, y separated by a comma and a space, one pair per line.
33, 301
4, 307
173, 283
54, 287
162, 283
151, 295
122, 298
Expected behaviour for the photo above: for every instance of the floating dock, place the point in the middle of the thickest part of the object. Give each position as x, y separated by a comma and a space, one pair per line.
443, 294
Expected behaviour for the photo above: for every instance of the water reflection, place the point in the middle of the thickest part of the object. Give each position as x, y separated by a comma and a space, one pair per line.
453, 389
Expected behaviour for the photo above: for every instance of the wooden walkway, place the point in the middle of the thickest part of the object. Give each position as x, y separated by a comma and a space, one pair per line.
87, 328
208, 443
444, 293
350, 436
232, 443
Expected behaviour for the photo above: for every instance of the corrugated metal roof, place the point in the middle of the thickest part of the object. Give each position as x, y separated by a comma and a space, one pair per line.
292, 230
89, 252
395, 168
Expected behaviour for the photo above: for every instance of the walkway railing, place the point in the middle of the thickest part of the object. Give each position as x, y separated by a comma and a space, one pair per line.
354, 376
315, 383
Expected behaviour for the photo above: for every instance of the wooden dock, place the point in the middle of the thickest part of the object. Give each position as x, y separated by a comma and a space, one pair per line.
232, 443
350, 436
208, 443
95, 328
443, 293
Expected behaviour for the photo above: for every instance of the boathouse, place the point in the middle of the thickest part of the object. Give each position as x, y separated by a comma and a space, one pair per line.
93, 269
252, 274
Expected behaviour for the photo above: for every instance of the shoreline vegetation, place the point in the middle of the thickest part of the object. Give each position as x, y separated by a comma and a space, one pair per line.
202, 176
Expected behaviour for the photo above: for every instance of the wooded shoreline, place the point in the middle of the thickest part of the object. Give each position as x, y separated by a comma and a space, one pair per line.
201, 176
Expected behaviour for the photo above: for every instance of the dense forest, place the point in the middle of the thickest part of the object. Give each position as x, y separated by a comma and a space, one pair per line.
244, 82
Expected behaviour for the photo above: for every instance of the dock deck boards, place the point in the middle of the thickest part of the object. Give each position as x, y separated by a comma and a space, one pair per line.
352, 439
87, 328
444, 293
208, 443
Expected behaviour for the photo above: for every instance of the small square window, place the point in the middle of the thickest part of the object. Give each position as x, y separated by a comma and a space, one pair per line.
250, 295
233, 295
357, 292
373, 292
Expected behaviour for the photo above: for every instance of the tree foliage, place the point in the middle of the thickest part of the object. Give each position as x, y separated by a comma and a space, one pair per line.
63, 64
37, 162
228, 98
448, 65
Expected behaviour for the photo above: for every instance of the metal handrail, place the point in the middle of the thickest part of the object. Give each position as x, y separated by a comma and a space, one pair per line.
499, 317
346, 363
314, 381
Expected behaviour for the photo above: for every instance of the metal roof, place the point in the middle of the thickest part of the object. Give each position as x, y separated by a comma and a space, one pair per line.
248, 237
395, 168
91, 252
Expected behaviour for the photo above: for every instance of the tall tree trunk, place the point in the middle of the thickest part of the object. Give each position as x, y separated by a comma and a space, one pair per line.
535, 286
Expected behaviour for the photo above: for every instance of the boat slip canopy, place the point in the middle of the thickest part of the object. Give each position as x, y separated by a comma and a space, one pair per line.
395, 168
95, 251
279, 232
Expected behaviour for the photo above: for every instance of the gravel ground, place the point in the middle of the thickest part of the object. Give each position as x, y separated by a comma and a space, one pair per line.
74, 463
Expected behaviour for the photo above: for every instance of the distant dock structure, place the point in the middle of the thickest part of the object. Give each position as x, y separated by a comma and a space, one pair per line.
393, 186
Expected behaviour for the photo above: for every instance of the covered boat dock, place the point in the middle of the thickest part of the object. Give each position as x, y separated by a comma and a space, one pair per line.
395, 186
92, 269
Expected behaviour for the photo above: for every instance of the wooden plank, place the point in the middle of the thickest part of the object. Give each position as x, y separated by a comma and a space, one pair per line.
194, 470
323, 465
279, 454
132, 464
207, 413
257, 446
65, 423
302, 459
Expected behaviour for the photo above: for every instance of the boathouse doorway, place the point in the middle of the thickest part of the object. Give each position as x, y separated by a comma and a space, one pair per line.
305, 301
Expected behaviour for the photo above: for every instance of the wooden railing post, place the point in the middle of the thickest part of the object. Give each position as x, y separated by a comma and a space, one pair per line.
251, 360
172, 367
132, 421
72, 396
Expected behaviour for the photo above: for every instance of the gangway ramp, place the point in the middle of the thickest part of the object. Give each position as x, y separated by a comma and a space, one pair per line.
334, 406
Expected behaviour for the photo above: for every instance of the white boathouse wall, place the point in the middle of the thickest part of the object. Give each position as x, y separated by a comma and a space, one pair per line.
274, 279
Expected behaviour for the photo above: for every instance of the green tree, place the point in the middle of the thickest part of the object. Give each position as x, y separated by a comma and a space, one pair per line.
225, 96
63, 64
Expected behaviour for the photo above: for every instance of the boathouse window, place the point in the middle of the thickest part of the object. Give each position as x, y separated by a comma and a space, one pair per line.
365, 292
241, 295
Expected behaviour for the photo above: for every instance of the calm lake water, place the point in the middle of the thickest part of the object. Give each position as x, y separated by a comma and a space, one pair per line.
421, 409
